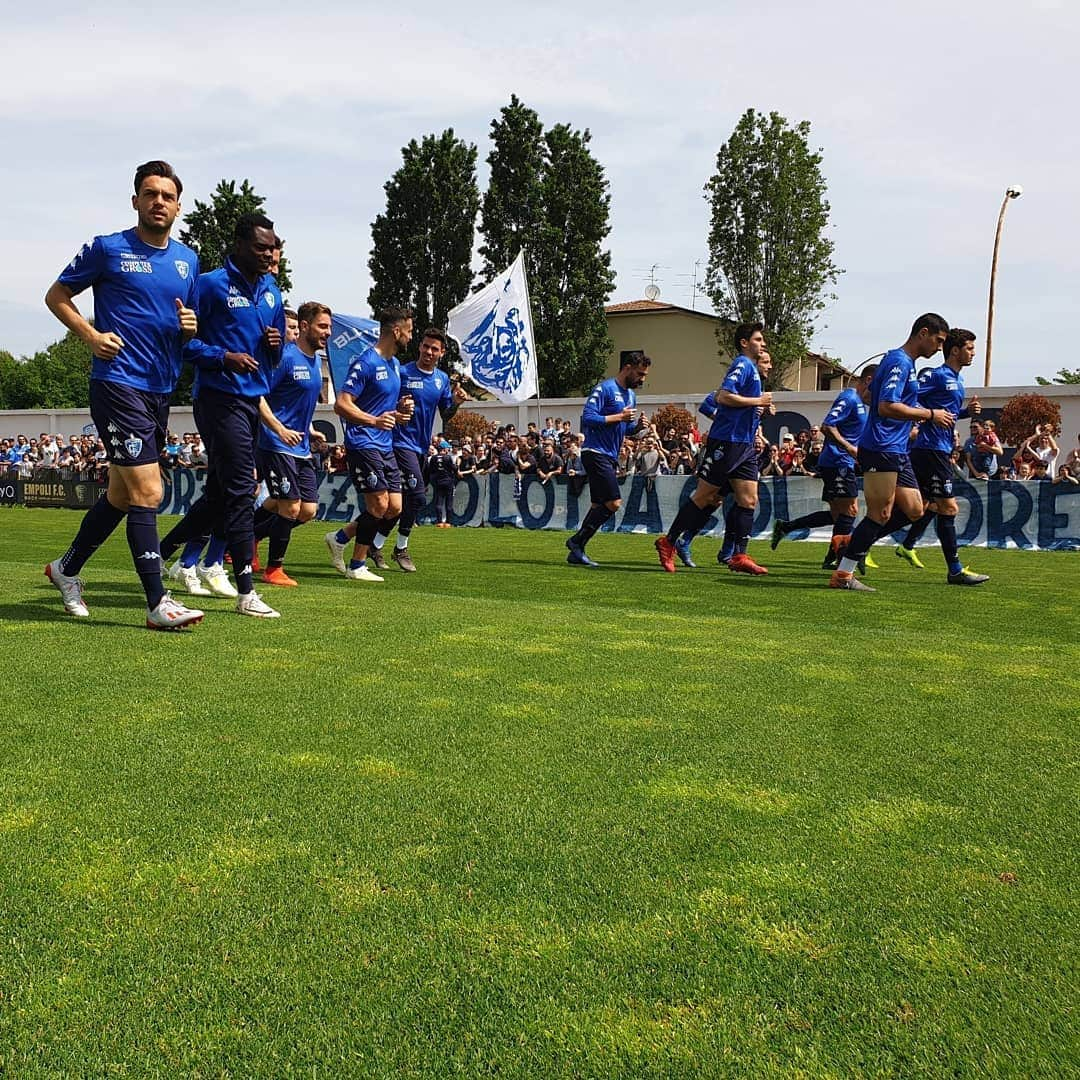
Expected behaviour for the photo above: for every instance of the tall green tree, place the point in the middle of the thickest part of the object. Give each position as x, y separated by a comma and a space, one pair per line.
210, 226
512, 215
574, 277
770, 260
422, 243
549, 196
57, 377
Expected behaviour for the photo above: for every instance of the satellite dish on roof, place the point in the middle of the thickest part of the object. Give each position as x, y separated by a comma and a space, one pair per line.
651, 292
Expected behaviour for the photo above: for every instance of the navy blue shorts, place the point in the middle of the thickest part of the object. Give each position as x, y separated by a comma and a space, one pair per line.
374, 470
287, 477
933, 470
131, 423
838, 482
602, 472
723, 462
411, 469
875, 461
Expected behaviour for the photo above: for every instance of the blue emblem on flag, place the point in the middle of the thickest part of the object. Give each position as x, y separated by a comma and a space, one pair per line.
499, 351
494, 330
132, 446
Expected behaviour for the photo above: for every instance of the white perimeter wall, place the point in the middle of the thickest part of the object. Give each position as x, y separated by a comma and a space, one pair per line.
794, 411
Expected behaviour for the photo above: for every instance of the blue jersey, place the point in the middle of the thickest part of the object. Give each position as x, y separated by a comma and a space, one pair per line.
709, 406
738, 423
894, 381
375, 385
606, 399
293, 393
848, 415
136, 287
431, 393
233, 316
939, 388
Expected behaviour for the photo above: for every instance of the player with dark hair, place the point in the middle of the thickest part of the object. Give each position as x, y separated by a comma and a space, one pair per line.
610, 413
145, 288
432, 393
889, 485
942, 388
843, 427
242, 328
371, 404
292, 326
730, 460
284, 444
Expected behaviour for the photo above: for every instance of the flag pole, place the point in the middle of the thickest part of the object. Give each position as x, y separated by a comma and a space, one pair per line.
532, 327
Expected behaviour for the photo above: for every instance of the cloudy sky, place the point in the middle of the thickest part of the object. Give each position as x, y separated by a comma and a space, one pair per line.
925, 113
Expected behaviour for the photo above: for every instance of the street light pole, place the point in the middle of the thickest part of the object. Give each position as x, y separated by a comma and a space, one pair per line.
1013, 192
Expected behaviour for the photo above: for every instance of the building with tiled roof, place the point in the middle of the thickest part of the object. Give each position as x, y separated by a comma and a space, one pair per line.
691, 350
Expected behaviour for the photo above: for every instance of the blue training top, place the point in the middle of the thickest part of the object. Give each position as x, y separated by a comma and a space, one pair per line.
375, 385
293, 393
607, 399
709, 406
431, 392
848, 415
894, 381
738, 423
136, 287
939, 388
233, 315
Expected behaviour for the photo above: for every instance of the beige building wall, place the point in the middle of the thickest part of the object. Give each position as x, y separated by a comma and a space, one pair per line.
682, 344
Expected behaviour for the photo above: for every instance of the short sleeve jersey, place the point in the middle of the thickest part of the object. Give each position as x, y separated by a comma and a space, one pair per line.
136, 287
375, 385
292, 394
848, 415
894, 380
939, 388
431, 392
605, 400
738, 423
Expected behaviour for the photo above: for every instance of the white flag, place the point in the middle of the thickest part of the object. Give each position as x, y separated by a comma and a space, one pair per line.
494, 331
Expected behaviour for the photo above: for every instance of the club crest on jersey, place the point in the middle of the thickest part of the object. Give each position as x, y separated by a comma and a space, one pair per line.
181, 268
269, 299
132, 446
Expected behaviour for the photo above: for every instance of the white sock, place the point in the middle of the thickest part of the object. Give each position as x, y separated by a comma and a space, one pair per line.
848, 566
378, 540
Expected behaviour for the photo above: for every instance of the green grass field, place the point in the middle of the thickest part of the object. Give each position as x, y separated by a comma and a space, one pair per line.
507, 817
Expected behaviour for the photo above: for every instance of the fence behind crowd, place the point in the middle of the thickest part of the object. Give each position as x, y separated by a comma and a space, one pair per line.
995, 513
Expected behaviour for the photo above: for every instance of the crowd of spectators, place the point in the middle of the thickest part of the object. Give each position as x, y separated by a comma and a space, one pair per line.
555, 450
75, 457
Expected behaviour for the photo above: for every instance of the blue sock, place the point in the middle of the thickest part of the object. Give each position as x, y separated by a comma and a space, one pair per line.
142, 536
946, 530
740, 523
240, 548
192, 550
341, 536
843, 525
215, 552
97, 526
862, 539
355, 564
